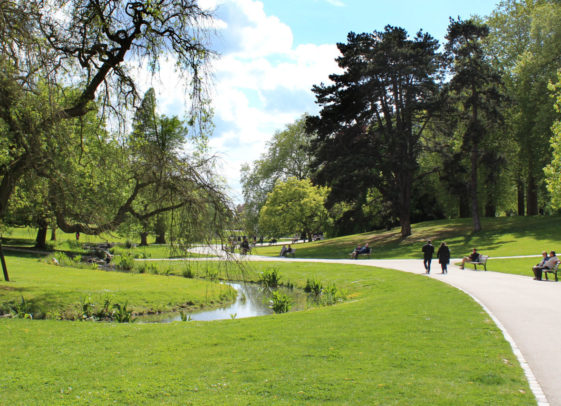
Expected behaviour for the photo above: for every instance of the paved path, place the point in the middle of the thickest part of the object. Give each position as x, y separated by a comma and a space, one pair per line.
528, 312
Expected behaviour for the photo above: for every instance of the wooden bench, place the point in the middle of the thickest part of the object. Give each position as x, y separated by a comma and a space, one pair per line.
552, 270
482, 261
292, 253
367, 254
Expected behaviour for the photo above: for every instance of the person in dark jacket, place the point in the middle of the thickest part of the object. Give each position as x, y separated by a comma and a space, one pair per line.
443, 255
428, 250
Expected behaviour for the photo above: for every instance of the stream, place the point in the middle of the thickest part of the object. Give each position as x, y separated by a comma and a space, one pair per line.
252, 301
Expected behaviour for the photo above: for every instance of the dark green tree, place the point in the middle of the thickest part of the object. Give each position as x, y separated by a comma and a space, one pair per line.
373, 116
475, 87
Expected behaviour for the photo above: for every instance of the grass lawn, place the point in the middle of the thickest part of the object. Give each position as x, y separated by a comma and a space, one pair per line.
55, 291
500, 237
399, 339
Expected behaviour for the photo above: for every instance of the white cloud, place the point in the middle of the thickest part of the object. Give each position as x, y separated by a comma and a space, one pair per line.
262, 82
336, 3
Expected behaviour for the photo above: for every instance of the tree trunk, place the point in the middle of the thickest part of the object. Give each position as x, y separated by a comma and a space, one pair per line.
490, 209
41, 240
521, 201
532, 196
4, 267
464, 206
473, 190
53, 234
160, 230
143, 239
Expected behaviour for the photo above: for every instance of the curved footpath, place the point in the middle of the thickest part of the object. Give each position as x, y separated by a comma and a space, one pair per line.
527, 311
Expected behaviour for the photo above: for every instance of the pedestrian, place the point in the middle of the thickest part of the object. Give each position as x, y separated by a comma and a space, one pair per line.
443, 256
428, 250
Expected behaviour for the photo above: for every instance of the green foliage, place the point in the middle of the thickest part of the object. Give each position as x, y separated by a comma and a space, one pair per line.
122, 314
294, 207
270, 278
280, 302
22, 309
313, 286
124, 262
553, 170
286, 156
188, 272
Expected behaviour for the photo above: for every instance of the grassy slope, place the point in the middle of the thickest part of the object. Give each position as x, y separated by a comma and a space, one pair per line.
402, 339
500, 237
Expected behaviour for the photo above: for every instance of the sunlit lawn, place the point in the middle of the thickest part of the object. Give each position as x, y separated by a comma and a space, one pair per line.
500, 237
399, 339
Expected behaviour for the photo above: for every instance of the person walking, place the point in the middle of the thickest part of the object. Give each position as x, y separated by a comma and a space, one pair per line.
428, 250
443, 255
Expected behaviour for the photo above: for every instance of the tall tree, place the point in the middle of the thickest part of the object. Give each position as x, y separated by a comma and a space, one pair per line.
154, 146
553, 170
475, 86
286, 156
525, 42
93, 40
373, 116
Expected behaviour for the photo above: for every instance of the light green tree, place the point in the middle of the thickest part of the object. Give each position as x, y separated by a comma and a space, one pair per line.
553, 170
295, 206
286, 156
525, 43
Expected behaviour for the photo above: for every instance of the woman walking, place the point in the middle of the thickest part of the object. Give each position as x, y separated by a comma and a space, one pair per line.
443, 255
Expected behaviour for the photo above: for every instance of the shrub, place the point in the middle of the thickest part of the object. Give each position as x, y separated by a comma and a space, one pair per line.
280, 303
270, 278
122, 314
125, 262
22, 310
313, 286
188, 272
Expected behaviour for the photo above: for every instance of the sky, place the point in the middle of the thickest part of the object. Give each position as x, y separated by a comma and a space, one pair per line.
271, 53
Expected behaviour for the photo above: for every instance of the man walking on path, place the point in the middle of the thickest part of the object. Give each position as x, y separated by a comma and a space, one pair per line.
428, 250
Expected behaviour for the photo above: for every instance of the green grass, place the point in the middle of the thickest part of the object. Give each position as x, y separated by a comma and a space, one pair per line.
55, 291
517, 266
500, 237
399, 339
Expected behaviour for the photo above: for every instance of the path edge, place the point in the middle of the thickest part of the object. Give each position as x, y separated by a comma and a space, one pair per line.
535, 387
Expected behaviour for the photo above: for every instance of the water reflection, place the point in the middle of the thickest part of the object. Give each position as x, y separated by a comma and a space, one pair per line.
252, 301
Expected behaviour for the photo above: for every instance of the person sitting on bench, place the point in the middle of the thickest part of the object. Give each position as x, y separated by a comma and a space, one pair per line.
546, 267
473, 257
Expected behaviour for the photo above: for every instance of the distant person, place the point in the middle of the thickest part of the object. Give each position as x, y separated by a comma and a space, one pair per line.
288, 250
537, 269
546, 267
244, 246
473, 257
283, 251
354, 254
428, 250
443, 255
77, 236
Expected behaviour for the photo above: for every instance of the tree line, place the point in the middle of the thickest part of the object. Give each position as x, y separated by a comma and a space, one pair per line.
411, 130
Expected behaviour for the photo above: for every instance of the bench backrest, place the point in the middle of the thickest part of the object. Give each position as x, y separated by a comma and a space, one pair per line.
483, 258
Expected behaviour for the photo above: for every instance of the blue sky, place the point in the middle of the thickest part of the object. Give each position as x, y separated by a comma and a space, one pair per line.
273, 51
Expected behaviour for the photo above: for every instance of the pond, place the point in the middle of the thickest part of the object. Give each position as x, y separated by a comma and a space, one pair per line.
252, 301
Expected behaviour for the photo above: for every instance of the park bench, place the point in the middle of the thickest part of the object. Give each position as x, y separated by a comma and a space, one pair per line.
366, 254
481, 261
552, 270
291, 254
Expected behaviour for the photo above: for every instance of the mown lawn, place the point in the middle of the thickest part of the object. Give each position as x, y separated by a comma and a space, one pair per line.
500, 237
54, 291
399, 339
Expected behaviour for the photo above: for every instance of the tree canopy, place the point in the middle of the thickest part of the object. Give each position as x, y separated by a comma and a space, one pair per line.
373, 116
